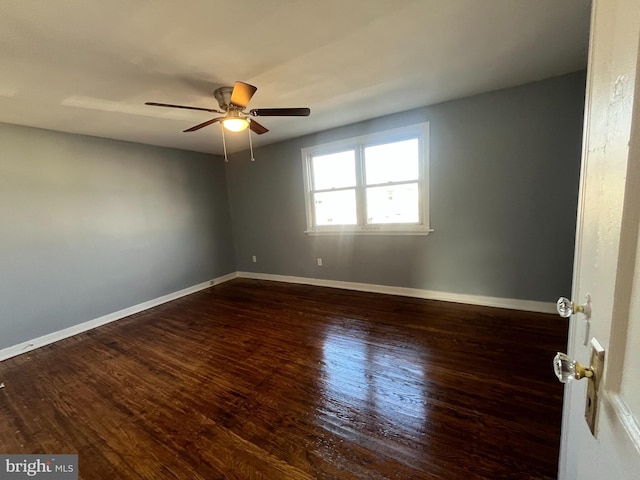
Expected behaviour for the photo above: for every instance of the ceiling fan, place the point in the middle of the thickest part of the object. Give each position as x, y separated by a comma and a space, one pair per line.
233, 101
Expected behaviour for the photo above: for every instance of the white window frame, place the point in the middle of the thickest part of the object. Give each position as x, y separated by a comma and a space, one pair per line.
357, 144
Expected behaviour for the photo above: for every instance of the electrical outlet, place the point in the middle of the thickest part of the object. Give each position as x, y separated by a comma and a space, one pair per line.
319, 262
254, 259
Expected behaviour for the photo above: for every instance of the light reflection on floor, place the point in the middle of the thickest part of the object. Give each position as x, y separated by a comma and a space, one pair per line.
364, 378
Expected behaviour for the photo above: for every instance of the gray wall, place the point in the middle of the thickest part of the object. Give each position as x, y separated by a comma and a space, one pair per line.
91, 226
504, 183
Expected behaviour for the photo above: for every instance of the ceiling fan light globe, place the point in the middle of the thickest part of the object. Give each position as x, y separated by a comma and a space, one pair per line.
235, 124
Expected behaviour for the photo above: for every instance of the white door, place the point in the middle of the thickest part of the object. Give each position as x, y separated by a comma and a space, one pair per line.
607, 260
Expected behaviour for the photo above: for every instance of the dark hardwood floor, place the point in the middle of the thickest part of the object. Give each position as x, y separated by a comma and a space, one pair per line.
265, 380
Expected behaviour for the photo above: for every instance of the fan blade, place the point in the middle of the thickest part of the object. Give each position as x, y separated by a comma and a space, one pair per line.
257, 128
154, 104
204, 124
241, 94
280, 112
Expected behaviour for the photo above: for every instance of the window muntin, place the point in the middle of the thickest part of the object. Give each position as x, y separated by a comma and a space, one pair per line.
371, 184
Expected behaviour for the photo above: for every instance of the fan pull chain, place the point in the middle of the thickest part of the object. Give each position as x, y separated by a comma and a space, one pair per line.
251, 144
224, 143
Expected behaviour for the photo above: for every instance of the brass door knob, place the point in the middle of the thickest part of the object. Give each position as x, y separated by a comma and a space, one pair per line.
567, 369
566, 307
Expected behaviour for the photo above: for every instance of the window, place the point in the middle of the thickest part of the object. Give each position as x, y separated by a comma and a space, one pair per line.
374, 184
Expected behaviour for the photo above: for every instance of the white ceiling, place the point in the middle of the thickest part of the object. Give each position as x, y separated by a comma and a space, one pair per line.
88, 66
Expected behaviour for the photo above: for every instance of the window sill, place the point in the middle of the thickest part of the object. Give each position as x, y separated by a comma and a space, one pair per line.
423, 233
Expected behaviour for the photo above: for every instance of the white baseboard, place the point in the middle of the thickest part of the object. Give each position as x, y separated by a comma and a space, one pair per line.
29, 345
222, 279
510, 303
514, 304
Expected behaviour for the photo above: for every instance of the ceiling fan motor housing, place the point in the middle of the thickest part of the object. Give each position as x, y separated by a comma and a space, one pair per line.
223, 96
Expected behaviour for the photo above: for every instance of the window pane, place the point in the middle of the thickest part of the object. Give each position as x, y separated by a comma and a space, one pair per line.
336, 208
392, 162
337, 170
393, 204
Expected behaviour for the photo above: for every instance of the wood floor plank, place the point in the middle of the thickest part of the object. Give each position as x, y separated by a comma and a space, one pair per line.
265, 380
